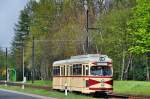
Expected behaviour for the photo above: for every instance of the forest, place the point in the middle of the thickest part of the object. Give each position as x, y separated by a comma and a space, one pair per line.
52, 30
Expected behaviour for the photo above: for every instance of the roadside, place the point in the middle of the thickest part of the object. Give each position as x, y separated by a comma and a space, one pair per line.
54, 94
141, 88
12, 94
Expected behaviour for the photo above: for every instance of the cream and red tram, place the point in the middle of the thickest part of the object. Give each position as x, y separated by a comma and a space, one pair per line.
84, 73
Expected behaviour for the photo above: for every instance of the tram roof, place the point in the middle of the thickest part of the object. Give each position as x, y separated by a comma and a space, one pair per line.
84, 59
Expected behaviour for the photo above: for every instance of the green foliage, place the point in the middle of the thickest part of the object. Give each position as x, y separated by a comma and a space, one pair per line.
22, 32
43, 16
59, 31
2, 58
139, 27
113, 38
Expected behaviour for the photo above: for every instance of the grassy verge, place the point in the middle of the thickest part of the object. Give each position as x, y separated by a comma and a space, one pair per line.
55, 94
132, 87
122, 87
41, 83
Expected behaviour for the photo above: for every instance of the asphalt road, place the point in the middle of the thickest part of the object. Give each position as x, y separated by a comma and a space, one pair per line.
4, 94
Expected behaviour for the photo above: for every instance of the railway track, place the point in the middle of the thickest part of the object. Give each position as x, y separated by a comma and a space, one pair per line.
138, 97
110, 96
129, 96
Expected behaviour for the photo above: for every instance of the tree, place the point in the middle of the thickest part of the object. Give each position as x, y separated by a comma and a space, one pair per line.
22, 33
112, 38
139, 27
139, 30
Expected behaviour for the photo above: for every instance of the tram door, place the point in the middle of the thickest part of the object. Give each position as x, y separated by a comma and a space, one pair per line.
67, 76
62, 77
65, 79
85, 72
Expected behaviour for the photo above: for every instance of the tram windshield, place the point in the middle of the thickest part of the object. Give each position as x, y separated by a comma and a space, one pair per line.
101, 71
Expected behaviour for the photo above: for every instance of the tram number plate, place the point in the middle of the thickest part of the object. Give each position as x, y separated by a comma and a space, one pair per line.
102, 83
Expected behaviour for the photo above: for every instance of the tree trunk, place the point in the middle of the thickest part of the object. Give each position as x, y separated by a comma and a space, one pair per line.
123, 64
147, 66
147, 72
128, 65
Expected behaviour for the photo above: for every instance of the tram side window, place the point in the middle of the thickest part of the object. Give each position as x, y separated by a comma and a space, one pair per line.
56, 70
77, 69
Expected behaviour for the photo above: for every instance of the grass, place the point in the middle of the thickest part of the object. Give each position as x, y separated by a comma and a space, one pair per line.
132, 87
41, 83
55, 94
121, 87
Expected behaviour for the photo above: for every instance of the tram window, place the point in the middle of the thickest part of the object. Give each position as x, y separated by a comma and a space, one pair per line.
56, 70
77, 69
101, 71
87, 70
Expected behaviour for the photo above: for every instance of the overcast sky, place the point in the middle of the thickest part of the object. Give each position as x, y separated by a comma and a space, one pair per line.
9, 13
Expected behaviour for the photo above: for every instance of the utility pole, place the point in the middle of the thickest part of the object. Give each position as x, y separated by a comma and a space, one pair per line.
87, 22
88, 37
23, 61
24, 78
6, 64
33, 47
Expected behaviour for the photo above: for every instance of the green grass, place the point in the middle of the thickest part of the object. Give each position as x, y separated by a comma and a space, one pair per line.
55, 94
121, 87
41, 83
132, 87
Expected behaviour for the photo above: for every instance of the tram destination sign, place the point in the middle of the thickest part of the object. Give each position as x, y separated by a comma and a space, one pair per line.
101, 63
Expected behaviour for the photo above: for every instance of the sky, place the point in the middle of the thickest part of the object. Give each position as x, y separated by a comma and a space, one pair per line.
9, 14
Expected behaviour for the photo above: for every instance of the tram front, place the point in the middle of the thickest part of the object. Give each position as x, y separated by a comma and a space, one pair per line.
101, 75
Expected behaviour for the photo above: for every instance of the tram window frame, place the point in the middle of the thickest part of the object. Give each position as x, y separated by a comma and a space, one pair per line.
87, 70
62, 71
77, 69
67, 70
71, 70
56, 71
83, 70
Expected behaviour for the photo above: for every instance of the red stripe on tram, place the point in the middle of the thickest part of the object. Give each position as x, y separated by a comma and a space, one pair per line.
110, 82
100, 88
91, 82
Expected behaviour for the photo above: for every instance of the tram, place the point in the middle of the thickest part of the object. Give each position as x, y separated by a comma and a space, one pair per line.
88, 74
